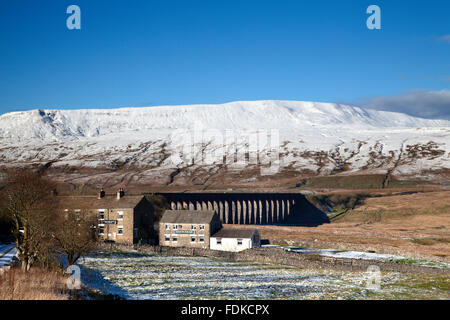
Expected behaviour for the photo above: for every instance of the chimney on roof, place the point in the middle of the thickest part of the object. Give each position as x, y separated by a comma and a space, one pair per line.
120, 193
101, 194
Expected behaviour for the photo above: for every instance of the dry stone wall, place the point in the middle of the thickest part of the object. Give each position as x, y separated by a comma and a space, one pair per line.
279, 256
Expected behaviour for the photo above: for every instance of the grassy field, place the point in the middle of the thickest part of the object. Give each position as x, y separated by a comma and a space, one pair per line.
419, 287
415, 225
350, 182
148, 276
396, 206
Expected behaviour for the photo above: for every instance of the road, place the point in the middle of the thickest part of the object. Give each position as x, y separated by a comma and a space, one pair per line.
7, 252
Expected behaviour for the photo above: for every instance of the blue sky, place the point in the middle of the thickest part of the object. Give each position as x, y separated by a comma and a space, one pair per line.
140, 53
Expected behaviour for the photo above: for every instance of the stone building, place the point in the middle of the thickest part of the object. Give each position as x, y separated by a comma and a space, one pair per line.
235, 239
188, 228
121, 218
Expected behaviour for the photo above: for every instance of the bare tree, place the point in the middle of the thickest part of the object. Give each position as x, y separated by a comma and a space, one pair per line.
6, 223
74, 233
29, 200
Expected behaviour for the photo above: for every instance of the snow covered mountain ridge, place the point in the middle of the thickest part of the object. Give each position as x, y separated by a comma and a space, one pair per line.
322, 138
59, 125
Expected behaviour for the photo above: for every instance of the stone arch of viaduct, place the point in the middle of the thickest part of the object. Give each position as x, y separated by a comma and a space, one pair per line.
241, 208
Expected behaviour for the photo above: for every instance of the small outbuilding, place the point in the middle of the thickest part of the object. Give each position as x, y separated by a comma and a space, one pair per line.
235, 239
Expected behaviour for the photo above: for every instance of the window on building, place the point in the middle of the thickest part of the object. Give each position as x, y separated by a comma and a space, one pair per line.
180, 226
174, 239
239, 242
101, 230
192, 239
77, 214
101, 214
193, 227
175, 227
166, 238
120, 230
201, 239
167, 226
120, 215
201, 227
219, 241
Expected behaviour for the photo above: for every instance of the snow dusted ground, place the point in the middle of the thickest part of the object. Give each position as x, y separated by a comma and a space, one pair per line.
153, 141
364, 256
162, 277
132, 275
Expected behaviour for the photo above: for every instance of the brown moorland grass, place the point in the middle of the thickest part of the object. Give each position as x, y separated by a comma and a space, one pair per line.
36, 284
416, 225
397, 206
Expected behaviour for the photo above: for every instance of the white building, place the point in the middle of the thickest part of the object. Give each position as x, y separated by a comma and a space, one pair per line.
235, 239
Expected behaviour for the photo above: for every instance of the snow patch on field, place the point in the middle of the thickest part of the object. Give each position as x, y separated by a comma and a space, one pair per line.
366, 256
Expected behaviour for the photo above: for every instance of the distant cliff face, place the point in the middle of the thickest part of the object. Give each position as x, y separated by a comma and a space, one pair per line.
239, 142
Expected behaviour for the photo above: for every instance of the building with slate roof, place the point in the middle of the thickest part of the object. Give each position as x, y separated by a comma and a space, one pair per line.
188, 228
235, 239
121, 218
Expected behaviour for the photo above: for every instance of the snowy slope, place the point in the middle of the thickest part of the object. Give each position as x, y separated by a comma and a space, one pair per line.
321, 137
60, 125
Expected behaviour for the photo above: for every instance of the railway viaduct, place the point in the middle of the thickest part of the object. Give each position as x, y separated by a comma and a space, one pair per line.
251, 208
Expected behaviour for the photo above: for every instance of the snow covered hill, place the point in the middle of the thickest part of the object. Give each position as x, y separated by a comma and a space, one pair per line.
153, 142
